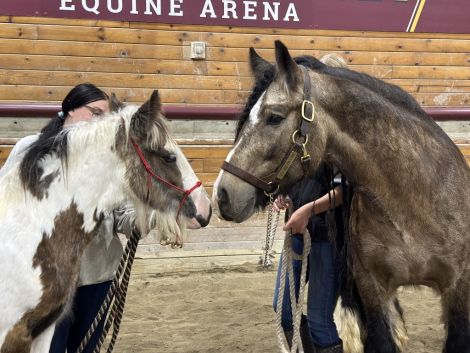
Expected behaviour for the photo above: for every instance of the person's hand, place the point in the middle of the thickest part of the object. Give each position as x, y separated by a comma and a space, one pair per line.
298, 221
280, 204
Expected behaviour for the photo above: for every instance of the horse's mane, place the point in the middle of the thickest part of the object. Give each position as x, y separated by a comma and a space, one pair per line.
390, 92
100, 133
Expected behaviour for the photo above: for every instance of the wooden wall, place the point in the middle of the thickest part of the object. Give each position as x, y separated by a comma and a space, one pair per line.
42, 58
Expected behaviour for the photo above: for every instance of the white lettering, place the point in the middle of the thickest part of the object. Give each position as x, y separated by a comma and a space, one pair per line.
110, 8
173, 6
63, 5
91, 9
157, 9
208, 8
134, 8
231, 8
291, 13
268, 8
249, 10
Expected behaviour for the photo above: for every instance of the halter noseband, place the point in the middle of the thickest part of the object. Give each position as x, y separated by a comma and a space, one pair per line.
270, 184
149, 169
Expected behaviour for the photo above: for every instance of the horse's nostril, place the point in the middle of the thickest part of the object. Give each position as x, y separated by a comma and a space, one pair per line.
202, 221
222, 198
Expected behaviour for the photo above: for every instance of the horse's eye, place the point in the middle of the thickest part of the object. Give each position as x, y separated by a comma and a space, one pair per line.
170, 158
274, 119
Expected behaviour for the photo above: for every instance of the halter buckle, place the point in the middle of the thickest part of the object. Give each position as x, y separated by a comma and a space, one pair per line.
304, 103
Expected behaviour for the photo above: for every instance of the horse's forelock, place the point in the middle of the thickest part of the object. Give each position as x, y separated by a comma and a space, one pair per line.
158, 133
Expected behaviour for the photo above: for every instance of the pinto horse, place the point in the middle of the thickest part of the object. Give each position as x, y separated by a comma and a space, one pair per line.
409, 220
49, 215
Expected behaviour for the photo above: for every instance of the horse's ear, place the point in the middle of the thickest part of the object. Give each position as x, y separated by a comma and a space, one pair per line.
288, 68
147, 112
114, 103
258, 65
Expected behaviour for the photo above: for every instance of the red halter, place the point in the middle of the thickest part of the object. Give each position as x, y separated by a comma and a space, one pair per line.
149, 169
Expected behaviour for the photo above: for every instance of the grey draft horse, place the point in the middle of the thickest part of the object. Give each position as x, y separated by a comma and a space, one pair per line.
409, 220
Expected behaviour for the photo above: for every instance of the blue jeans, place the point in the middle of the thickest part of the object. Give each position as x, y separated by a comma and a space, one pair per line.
70, 331
324, 277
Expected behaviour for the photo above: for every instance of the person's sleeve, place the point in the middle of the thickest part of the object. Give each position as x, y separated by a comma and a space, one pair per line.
17, 153
124, 220
337, 179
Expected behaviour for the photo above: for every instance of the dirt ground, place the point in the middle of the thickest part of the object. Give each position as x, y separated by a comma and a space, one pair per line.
230, 310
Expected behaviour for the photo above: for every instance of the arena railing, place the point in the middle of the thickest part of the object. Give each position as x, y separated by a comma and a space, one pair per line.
41, 110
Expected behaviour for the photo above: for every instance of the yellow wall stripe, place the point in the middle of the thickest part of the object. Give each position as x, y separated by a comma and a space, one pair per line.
418, 14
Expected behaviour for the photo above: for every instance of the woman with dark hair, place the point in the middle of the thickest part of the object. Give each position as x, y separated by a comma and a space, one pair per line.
84, 102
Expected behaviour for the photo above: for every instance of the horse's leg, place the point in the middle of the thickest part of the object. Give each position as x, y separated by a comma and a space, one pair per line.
379, 307
455, 304
377, 266
350, 317
42, 343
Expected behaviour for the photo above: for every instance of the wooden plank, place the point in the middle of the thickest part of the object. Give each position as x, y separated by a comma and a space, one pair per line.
8, 141
122, 65
200, 142
289, 31
194, 250
442, 99
238, 55
234, 40
429, 82
212, 165
206, 151
18, 31
207, 179
209, 190
465, 149
2, 162
431, 72
5, 151
68, 21
184, 67
435, 89
253, 229
134, 95
64, 78
150, 266
44, 47
197, 165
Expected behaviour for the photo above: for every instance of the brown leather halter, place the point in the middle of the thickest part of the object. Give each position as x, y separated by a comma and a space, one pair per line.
270, 184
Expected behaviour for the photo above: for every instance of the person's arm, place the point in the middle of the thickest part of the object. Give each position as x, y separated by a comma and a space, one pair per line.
124, 220
299, 219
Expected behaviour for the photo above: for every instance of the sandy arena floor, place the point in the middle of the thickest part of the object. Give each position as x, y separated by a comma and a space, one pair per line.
230, 310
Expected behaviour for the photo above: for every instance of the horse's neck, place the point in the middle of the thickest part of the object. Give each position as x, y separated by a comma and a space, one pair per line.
389, 161
95, 180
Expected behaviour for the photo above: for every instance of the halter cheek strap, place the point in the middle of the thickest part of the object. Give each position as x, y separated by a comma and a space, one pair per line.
149, 170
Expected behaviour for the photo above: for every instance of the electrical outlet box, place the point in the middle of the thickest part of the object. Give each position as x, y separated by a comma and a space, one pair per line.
198, 50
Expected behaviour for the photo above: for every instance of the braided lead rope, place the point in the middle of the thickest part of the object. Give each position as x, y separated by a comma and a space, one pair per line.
122, 297
296, 305
115, 313
109, 296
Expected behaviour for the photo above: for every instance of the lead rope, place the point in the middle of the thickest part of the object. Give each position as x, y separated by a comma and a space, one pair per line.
296, 305
119, 293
